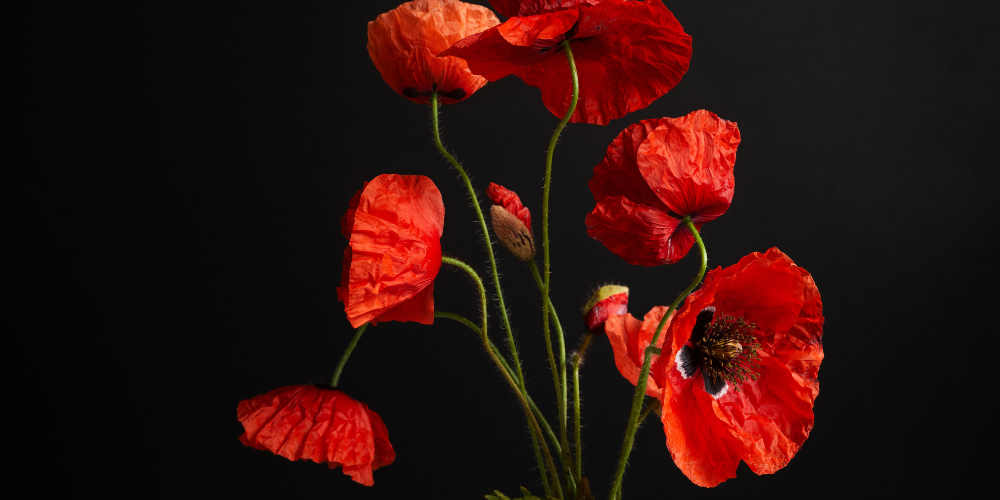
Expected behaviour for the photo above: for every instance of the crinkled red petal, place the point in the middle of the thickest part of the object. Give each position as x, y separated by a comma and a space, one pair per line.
511, 8
395, 251
629, 339
618, 173
510, 201
323, 425
688, 163
639, 234
612, 306
403, 44
771, 417
627, 55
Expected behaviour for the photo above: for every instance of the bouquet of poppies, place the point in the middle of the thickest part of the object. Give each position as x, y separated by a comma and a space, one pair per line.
729, 366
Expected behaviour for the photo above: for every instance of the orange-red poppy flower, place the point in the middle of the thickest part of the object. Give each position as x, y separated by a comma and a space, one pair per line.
318, 423
627, 53
608, 301
394, 224
655, 173
629, 339
738, 369
404, 41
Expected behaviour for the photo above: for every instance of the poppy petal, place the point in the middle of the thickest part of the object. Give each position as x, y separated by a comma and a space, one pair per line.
688, 163
618, 173
629, 339
637, 233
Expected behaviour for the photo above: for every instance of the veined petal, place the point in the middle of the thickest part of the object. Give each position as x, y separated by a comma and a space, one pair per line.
637, 233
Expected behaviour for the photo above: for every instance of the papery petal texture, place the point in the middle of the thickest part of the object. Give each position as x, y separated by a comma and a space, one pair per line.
403, 44
655, 173
627, 53
764, 421
322, 424
394, 252
510, 201
629, 339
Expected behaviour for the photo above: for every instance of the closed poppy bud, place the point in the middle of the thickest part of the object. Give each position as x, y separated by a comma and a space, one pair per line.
404, 42
511, 222
607, 301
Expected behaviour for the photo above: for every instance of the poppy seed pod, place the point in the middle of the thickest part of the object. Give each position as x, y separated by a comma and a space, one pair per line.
513, 233
607, 301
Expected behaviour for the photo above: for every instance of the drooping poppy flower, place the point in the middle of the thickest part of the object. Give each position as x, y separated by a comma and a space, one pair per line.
608, 301
738, 369
654, 174
318, 423
394, 224
627, 53
511, 222
404, 41
629, 339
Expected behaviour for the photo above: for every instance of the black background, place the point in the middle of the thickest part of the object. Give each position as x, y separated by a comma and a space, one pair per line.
867, 155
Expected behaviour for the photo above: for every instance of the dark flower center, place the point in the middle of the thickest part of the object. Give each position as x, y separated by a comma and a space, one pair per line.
725, 350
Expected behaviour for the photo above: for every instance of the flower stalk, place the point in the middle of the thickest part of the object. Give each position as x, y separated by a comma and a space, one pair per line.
347, 354
640, 386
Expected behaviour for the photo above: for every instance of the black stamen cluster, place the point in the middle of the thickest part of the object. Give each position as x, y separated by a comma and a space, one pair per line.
729, 350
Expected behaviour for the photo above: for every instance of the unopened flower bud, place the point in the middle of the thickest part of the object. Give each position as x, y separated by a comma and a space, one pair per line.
511, 222
512, 233
607, 301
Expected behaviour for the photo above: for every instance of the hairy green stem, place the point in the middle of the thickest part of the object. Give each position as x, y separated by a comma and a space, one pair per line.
536, 433
576, 414
562, 396
640, 386
347, 354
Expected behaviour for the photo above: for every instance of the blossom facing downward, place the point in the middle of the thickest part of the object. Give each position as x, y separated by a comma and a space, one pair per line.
394, 224
629, 339
403, 44
655, 173
607, 301
511, 222
739, 367
627, 53
318, 423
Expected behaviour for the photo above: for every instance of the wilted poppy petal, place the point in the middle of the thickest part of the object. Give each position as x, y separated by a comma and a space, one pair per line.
636, 233
629, 339
403, 44
510, 201
394, 251
688, 162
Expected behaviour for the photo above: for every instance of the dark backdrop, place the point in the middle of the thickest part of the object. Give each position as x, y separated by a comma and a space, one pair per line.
867, 156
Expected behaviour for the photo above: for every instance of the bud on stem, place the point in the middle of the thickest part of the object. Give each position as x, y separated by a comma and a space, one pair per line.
513, 233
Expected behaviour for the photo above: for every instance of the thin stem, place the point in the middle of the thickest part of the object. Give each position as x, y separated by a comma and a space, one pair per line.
562, 395
576, 414
347, 354
538, 413
640, 386
646, 412
518, 388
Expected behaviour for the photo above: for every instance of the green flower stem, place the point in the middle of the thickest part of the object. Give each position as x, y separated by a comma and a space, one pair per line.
518, 388
548, 338
645, 413
347, 354
538, 413
562, 396
640, 386
576, 414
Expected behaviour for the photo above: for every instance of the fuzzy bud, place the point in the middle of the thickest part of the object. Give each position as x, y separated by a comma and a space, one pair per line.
607, 301
513, 233
510, 201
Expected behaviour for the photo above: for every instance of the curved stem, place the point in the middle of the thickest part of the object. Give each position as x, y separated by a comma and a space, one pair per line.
562, 396
576, 415
640, 386
518, 388
347, 354
538, 413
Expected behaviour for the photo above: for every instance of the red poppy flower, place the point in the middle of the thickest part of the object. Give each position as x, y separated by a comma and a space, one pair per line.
394, 224
403, 42
318, 423
738, 369
655, 173
608, 301
629, 339
627, 53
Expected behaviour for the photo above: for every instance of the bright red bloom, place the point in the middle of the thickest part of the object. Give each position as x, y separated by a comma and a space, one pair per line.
627, 53
510, 201
739, 367
394, 225
322, 424
404, 41
655, 173
629, 339
606, 302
